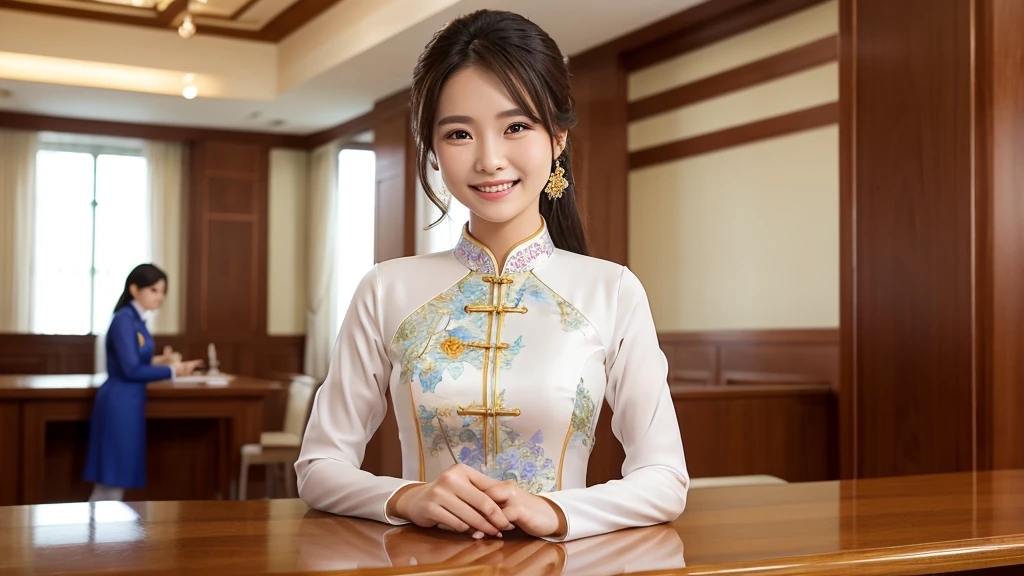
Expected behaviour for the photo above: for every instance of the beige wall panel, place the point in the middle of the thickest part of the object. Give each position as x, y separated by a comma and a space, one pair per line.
286, 270
743, 238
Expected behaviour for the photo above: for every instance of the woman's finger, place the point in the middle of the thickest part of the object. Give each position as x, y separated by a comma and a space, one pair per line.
487, 506
469, 515
448, 521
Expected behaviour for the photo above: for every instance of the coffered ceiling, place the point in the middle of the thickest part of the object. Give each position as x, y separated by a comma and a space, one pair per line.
286, 66
262, 20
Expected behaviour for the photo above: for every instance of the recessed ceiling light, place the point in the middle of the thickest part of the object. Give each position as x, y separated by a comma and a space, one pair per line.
189, 78
190, 92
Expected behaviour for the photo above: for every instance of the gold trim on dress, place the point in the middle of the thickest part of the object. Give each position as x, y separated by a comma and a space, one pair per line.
468, 236
419, 435
487, 410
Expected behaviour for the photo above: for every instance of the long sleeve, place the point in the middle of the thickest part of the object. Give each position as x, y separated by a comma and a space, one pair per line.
348, 408
122, 336
654, 477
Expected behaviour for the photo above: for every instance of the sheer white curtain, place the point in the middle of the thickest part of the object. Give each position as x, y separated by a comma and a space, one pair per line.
321, 244
165, 179
17, 233
446, 234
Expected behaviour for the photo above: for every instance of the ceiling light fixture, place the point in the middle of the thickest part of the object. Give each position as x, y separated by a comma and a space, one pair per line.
190, 92
187, 28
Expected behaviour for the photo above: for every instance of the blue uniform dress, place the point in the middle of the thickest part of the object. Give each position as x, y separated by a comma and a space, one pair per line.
117, 437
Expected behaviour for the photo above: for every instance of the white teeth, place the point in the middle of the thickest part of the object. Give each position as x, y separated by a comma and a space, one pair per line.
493, 189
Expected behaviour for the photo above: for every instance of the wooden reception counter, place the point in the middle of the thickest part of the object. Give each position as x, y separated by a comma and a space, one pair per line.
910, 525
194, 436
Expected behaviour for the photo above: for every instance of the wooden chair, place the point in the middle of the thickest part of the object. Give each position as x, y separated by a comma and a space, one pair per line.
280, 450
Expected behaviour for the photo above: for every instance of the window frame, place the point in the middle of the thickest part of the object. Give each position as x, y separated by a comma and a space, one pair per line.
95, 150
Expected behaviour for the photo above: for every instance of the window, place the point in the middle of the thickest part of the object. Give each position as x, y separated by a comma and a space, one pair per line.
355, 224
92, 228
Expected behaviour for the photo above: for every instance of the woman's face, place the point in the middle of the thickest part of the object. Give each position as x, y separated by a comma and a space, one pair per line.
150, 297
492, 157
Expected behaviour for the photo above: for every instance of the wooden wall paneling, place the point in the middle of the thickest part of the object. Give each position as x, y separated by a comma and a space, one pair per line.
607, 455
21, 121
911, 158
598, 158
777, 415
10, 452
1000, 186
227, 302
395, 204
775, 66
799, 121
394, 237
741, 17
783, 431
677, 24
809, 356
46, 354
847, 240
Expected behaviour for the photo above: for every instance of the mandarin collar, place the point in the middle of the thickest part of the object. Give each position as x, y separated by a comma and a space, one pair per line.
525, 256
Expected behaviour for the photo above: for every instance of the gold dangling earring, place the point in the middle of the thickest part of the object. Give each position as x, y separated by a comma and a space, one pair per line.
556, 182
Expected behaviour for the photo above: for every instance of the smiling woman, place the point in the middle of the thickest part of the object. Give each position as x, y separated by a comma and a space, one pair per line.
497, 354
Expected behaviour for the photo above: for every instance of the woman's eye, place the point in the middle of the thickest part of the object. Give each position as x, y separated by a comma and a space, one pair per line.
459, 135
517, 128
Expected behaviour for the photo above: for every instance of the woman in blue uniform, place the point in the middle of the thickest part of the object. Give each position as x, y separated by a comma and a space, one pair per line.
117, 439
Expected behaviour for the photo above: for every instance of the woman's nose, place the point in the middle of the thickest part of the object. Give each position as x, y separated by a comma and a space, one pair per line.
491, 157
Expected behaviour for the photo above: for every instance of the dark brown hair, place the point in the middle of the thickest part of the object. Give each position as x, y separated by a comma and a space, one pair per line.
143, 276
531, 68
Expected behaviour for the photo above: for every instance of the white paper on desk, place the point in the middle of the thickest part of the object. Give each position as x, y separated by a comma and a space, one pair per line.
208, 380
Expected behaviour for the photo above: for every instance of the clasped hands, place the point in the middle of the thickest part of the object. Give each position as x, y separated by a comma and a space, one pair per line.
465, 500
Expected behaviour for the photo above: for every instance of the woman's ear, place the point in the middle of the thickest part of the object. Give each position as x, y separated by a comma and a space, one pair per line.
134, 290
561, 143
433, 161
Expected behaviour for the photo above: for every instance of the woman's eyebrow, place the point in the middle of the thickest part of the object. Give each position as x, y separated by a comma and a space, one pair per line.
511, 113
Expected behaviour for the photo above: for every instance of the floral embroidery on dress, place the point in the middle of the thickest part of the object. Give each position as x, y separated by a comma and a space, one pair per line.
533, 290
582, 423
522, 259
435, 338
521, 459
473, 256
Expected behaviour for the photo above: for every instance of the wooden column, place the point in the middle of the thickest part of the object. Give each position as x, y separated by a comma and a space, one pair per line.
931, 274
227, 237
599, 155
394, 237
396, 178
1000, 171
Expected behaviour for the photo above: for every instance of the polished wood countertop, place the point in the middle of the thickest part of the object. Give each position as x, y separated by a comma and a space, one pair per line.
68, 386
907, 525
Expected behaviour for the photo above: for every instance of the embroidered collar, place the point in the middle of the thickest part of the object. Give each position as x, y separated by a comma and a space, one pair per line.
524, 257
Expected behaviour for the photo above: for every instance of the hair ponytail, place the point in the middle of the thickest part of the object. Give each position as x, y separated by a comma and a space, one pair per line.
143, 276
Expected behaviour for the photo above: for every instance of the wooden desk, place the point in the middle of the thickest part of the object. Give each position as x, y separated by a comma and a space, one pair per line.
910, 525
194, 435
